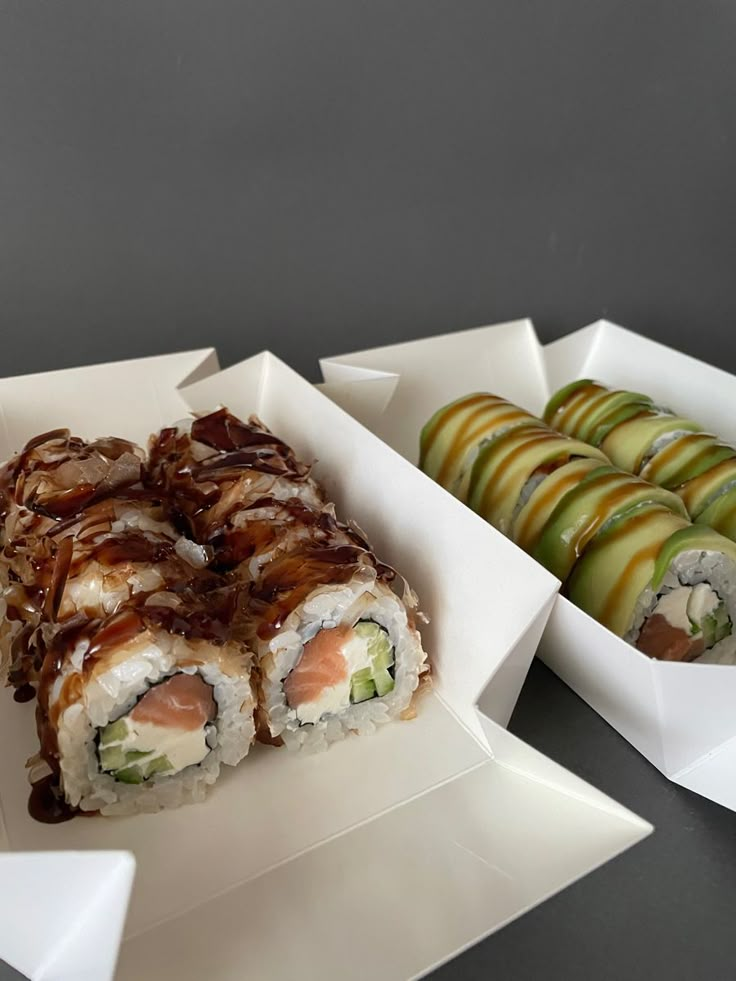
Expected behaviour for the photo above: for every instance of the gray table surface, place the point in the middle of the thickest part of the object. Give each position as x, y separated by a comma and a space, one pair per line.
318, 177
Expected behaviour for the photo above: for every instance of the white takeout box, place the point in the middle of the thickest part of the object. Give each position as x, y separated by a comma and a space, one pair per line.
384, 855
679, 716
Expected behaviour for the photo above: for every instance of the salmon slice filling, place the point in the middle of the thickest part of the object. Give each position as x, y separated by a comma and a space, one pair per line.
685, 623
339, 667
170, 728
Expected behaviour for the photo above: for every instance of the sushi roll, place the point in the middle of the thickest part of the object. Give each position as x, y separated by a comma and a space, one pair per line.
509, 468
336, 648
216, 465
139, 711
55, 476
654, 443
602, 497
590, 411
634, 443
628, 427
453, 437
71, 551
664, 585
700, 492
135, 650
535, 512
672, 461
261, 531
91, 574
630, 433
623, 547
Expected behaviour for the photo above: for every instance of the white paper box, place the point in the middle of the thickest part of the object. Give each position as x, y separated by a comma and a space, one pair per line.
424, 837
680, 716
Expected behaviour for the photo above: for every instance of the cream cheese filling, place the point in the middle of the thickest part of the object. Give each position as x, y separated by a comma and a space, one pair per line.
336, 698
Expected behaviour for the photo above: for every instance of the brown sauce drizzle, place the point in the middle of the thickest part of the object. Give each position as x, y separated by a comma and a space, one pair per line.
647, 554
544, 496
289, 579
594, 405
59, 529
46, 802
467, 436
673, 449
223, 431
495, 488
637, 417
695, 462
448, 415
119, 630
577, 397
60, 571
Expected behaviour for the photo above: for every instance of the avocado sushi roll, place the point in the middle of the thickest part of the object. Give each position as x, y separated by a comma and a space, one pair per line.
666, 586
507, 470
453, 437
623, 547
602, 496
627, 426
589, 410
635, 442
699, 492
666, 449
534, 514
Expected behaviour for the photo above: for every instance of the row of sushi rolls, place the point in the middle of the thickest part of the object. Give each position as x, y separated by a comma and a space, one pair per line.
167, 608
630, 505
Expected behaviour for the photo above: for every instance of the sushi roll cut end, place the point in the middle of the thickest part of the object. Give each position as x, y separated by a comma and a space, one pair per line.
686, 622
165, 732
340, 666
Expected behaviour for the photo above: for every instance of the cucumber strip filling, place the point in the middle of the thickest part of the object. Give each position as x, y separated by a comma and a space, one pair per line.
170, 728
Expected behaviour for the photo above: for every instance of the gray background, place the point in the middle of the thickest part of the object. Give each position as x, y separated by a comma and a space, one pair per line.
314, 177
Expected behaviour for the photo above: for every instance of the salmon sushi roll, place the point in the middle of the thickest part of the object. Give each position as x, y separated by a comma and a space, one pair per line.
134, 648
216, 465
337, 649
139, 711
258, 533
81, 537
